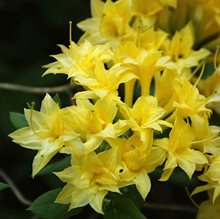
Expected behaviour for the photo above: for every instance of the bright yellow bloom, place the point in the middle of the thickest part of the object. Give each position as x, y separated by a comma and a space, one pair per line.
142, 63
94, 122
47, 132
79, 60
145, 12
84, 64
135, 160
212, 177
180, 48
109, 22
179, 150
103, 82
144, 117
89, 179
211, 86
164, 88
187, 100
207, 137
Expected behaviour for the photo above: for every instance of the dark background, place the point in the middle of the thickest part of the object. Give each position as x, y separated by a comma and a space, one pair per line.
29, 32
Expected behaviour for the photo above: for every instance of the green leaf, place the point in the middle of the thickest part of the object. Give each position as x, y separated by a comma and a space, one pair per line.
56, 166
44, 207
131, 193
56, 98
18, 120
178, 177
122, 209
3, 186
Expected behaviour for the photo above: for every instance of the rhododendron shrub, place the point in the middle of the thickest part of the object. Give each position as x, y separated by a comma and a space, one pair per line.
145, 103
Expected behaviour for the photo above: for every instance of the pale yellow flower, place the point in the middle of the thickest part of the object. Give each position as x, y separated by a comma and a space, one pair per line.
94, 122
135, 160
144, 117
47, 132
179, 150
89, 179
212, 178
180, 48
109, 22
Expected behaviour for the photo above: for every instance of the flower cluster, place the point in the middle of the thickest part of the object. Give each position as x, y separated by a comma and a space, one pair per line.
143, 104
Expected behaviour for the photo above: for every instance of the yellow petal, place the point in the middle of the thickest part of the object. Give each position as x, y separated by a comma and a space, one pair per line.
96, 202
143, 184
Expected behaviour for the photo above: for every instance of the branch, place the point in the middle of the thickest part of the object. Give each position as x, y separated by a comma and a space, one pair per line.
170, 207
37, 90
14, 189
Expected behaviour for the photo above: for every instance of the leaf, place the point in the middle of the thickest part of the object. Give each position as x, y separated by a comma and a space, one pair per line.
56, 98
56, 166
178, 177
131, 193
18, 120
44, 207
3, 186
122, 209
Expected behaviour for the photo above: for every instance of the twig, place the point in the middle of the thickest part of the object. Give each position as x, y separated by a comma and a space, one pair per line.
170, 207
14, 188
36, 90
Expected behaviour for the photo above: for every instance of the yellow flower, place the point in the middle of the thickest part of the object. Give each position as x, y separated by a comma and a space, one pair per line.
142, 63
103, 82
212, 177
145, 12
180, 48
109, 22
144, 117
207, 137
187, 100
47, 132
151, 7
79, 60
179, 150
94, 122
89, 179
164, 88
84, 64
211, 87
135, 160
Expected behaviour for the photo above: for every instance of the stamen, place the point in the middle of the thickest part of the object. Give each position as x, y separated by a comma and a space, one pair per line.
70, 33
216, 58
191, 199
200, 75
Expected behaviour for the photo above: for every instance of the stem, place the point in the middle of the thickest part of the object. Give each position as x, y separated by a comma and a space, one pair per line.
14, 189
170, 207
37, 90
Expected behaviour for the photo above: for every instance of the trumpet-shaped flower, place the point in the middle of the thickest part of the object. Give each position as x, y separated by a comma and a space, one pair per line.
207, 137
142, 63
89, 179
144, 117
212, 178
79, 60
104, 82
47, 132
179, 150
109, 22
187, 99
135, 160
94, 122
180, 48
